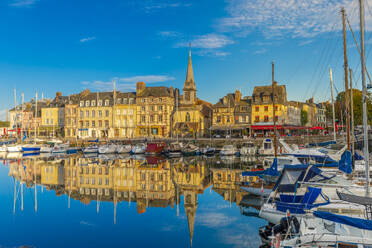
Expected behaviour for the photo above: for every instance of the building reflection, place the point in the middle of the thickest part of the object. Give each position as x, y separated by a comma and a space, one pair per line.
149, 182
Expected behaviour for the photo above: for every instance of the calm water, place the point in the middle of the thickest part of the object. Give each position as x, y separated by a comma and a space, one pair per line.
126, 202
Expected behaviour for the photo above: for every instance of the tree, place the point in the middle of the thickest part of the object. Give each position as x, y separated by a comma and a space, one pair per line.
304, 119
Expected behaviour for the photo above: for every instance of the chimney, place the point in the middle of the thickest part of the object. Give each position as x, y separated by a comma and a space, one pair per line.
140, 87
238, 96
58, 94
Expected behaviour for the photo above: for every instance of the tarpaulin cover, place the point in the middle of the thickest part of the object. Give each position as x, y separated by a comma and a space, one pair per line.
272, 171
350, 221
345, 164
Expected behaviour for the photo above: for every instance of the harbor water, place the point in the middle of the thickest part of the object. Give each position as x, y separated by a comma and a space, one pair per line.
127, 201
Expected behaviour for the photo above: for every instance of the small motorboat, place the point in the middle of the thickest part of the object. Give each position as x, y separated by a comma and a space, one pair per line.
248, 149
208, 151
155, 148
174, 149
3, 148
91, 149
30, 148
108, 148
267, 147
190, 150
60, 148
229, 150
123, 148
138, 149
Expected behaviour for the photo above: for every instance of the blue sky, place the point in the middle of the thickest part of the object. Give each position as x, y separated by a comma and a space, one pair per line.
69, 45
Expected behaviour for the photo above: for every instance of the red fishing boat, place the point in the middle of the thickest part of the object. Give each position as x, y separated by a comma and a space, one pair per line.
155, 148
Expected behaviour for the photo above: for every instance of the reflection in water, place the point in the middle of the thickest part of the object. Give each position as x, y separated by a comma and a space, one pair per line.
147, 182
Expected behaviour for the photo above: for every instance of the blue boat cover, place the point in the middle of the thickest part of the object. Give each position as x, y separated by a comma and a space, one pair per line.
326, 143
357, 156
94, 141
298, 204
350, 221
345, 164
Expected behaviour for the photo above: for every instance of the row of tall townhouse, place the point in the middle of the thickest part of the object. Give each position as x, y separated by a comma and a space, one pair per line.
163, 112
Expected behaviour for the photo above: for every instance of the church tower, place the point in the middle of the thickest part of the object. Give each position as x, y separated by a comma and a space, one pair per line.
190, 205
189, 88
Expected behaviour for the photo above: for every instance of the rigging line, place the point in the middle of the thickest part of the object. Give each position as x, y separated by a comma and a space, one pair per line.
325, 69
356, 43
319, 61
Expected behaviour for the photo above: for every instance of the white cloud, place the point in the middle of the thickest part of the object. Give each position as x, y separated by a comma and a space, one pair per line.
293, 18
214, 220
208, 41
211, 53
22, 3
169, 34
147, 79
83, 40
125, 84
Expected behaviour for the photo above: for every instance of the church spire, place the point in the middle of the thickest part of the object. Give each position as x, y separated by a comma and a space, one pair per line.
189, 83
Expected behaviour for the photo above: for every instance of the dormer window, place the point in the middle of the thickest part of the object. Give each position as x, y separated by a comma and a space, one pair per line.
125, 100
93, 103
99, 103
81, 103
107, 102
87, 103
118, 101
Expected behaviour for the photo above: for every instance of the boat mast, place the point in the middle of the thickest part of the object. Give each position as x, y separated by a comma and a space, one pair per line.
16, 112
333, 105
365, 120
273, 99
35, 116
352, 116
346, 81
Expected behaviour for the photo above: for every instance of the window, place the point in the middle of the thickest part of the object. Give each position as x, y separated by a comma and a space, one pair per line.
143, 118
93, 113
118, 101
107, 113
87, 103
107, 102
160, 99
160, 118
276, 118
100, 123
266, 108
93, 103
152, 118
187, 117
152, 108
87, 123
87, 113
151, 99
257, 109
81, 114
131, 100
257, 119
160, 108
106, 123
93, 124
100, 113
276, 108
266, 118
74, 111
125, 100
81, 124
81, 103
218, 119
143, 108
100, 181
107, 181
124, 111
118, 111
99, 103
154, 131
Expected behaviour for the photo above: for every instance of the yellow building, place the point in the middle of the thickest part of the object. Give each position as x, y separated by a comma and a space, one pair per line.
262, 105
154, 106
191, 116
125, 115
95, 114
53, 116
52, 173
232, 112
71, 116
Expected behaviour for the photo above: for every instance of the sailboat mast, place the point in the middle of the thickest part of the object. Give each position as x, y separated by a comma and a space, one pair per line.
273, 99
346, 81
365, 120
352, 114
333, 105
35, 116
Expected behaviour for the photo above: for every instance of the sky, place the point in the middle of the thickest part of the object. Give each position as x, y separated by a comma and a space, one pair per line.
52, 45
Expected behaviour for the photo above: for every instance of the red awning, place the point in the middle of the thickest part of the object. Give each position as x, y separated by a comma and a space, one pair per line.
271, 127
317, 128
